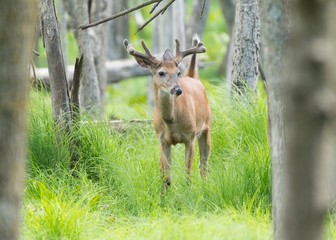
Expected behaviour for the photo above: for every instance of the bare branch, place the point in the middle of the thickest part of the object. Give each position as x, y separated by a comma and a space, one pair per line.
119, 14
154, 7
203, 6
161, 11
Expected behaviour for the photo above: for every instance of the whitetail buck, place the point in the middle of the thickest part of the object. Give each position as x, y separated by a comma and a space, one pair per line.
181, 112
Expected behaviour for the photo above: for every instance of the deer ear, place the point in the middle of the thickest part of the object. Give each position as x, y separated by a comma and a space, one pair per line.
168, 55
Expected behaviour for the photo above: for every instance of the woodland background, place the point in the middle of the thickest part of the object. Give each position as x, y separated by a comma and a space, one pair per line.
85, 165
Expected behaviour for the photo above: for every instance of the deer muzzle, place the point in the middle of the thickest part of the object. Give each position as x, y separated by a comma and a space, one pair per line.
176, 90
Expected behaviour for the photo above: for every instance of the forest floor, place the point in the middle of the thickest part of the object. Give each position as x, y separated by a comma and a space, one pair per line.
118, 192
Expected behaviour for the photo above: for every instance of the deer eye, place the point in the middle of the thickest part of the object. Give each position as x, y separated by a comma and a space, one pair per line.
161, 74
179, 74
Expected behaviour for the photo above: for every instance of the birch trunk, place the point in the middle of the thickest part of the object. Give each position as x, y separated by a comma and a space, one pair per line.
17, 23
246, 45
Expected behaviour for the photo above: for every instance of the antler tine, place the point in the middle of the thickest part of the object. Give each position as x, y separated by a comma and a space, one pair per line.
178, 53
148, 57
146, 49
199, 48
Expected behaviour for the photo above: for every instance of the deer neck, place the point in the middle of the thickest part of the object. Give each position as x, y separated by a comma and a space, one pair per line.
164, 103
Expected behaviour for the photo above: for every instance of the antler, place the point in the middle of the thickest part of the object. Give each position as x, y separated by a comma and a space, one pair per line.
144, 60
197, 48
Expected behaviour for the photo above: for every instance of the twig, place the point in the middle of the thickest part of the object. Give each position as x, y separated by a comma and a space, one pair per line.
36, 53
161, 11
154, 7
119, 14
203, 6
33, 69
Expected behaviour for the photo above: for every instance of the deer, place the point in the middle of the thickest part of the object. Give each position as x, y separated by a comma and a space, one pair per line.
181, 110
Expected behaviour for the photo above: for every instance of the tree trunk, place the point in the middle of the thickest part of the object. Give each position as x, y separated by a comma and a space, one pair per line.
118, 31
99, 44
62, 29
228, 10
58, 81
310, 115
274, 37
89, 89
17, 23
246, 45
197, 19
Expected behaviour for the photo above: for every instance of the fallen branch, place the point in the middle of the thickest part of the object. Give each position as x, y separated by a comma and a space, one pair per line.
117, 71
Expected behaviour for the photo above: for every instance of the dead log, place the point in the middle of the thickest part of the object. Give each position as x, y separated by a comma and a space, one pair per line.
116, 71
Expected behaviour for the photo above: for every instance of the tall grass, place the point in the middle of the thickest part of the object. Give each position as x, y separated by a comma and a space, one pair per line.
118, 192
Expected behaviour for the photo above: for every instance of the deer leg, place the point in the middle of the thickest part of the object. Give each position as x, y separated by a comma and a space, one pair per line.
189, 155
165, 163
204, 149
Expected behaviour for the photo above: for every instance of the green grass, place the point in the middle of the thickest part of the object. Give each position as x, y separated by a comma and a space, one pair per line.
118, 193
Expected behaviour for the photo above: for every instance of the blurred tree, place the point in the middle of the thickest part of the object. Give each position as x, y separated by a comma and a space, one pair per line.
246, 45
89, 89
17, 22
228, 10
98, 39
118, 30
197, 20
274, 25
310, 117
63, 28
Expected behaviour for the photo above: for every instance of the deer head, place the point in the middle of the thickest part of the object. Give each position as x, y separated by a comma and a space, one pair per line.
165, 72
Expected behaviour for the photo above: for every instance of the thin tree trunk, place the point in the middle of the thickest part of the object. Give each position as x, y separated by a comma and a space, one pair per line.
57, 73
63, 29
99, 44
310, 100
89, 89
118, 31
17, 23
197, 20
274, 37
246, 45
228, 10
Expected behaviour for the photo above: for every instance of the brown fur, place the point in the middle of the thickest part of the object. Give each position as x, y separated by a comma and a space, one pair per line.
178, 118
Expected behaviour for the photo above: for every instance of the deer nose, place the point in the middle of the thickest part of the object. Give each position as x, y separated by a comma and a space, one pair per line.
176, 90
